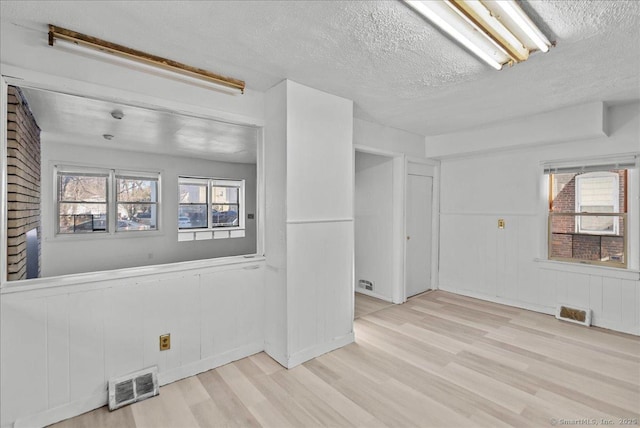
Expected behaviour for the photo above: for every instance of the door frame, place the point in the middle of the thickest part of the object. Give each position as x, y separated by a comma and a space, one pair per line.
434, 173
398, 177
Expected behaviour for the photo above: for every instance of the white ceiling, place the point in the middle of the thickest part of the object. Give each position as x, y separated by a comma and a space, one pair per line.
398, 69
140, 129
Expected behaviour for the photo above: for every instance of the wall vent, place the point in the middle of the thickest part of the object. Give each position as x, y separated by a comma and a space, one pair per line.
133, 387
572, 314
367, 285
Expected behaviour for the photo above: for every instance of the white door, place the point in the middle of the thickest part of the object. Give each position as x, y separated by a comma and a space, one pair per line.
418, 245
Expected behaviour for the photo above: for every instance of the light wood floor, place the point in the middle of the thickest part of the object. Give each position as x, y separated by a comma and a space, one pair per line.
365, 305
438, 360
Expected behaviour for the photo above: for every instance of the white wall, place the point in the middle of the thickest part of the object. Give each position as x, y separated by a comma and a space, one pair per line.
373, 138
60, 345
384, 138
275, 137
73, 254
311, 225
478, 259
374, 219
62, 338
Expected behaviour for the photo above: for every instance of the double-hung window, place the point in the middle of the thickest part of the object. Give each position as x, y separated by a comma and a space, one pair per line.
210, 204
91, 200
82, 201
137, 201
588, 212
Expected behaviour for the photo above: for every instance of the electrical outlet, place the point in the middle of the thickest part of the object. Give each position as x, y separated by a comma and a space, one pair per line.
165, 342
501, 223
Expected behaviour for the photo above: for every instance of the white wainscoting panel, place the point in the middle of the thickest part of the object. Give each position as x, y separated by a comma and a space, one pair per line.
320, 279
479, 260
61, 344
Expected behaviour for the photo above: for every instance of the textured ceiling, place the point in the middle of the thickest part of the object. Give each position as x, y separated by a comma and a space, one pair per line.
398, 69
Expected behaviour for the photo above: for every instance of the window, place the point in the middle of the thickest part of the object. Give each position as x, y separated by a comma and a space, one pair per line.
95, 200
598, 192
82, 202
207, 203
588, 215
137, 199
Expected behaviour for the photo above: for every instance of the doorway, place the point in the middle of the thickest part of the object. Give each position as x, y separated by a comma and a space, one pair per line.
419, 198
374, 214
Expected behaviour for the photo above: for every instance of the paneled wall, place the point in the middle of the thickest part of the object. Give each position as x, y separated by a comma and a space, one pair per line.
309, 226
374, 219
509, 265
61, 343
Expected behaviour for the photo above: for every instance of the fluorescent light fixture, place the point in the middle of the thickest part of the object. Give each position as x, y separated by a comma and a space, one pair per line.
523, 22
132, 58
497, 31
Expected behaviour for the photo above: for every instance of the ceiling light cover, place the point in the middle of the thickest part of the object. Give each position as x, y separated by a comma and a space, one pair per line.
497, 31
124, 55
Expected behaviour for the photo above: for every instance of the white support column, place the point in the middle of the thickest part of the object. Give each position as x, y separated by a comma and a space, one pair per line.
309, 222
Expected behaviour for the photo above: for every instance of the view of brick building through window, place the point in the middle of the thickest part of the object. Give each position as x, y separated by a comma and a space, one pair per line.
588, 237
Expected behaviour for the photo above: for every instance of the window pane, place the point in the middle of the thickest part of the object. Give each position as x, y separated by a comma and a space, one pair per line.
597, 224
564, 193
225, 195
192, 216
82, 188
136, 190
603, 244
193, 193
224, 215
137, 217
82, 217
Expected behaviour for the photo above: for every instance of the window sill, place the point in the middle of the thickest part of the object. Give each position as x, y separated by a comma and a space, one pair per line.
104, 279
125, 234
588, 269
203, 235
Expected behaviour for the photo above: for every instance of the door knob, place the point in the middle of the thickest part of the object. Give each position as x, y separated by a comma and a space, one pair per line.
408, 237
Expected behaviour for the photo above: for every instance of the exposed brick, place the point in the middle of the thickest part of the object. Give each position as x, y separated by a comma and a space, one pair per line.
23, 182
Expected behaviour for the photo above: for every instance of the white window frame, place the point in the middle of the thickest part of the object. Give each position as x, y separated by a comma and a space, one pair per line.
211, 183
136, 175
629, 161
112, 201
615, 195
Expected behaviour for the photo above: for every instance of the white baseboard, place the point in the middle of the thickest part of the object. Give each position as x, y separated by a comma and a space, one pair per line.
209, 363
79, 407
595, 321
317, 350
277, 356
372, 294
515, 303
66, 411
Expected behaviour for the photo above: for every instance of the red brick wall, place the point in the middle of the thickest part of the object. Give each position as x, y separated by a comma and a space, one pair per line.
566, 243
23, 183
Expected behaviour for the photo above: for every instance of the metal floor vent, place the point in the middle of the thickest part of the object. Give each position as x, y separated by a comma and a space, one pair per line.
133, 387
367, 285
576, 315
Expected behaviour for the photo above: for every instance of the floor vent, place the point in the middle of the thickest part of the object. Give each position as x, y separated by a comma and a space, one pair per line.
133, 387
367, 285
576, 315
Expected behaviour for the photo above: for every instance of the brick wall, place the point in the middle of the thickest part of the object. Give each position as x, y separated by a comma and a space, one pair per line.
566, 243
23, 183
